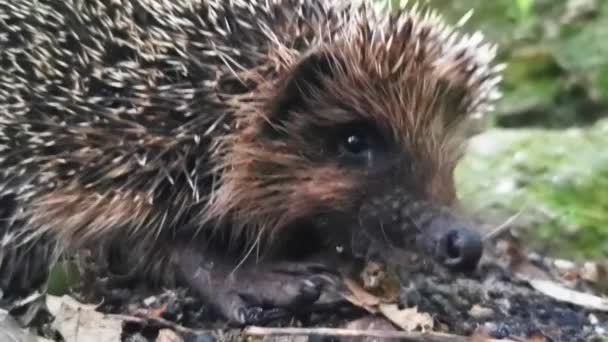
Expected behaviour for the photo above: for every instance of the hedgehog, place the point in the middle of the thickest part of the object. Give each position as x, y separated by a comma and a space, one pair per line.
234, 146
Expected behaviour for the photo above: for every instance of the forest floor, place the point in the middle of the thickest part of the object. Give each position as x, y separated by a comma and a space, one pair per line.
512, 296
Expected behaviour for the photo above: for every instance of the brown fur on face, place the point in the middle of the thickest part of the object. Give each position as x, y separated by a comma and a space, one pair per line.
399, 79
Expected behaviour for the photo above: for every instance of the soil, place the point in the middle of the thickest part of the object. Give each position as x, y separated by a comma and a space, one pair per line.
496, 299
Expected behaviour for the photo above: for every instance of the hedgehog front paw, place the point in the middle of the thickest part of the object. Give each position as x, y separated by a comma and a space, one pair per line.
261, 294
266, 293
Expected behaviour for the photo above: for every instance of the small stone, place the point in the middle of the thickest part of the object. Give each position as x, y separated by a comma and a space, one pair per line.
593, 319
149, 301
564, 265
138, 337
480, 312
500, 330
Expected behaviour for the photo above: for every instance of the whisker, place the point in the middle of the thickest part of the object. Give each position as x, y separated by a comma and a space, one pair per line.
416, 226
506, 225
251, 249
385, 236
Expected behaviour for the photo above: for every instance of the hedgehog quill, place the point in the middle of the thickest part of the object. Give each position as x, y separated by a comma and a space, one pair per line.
227, 144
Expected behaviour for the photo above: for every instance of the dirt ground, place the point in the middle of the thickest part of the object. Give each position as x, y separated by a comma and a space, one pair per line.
512, 296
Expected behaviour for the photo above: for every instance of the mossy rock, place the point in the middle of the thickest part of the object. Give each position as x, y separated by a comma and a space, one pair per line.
557, 179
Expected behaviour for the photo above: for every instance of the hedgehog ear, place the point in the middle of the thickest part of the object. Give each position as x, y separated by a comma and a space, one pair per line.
304, 80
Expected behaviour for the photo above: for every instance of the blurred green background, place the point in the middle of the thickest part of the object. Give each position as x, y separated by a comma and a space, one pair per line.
545, 155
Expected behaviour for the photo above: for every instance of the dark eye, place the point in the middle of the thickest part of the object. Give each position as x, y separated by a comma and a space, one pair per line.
356, 144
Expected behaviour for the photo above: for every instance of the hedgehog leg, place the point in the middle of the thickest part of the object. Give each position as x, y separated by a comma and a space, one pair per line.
24, 268
24, 265
255, 294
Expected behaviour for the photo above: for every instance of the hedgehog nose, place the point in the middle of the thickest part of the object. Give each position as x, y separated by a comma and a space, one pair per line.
459, 249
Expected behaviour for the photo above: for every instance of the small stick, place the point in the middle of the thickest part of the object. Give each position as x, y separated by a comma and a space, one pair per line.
504, 226
262, 331
400, 335
163, 323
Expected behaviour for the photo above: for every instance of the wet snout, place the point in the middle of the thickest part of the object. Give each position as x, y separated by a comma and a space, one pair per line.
453, 244
435, 231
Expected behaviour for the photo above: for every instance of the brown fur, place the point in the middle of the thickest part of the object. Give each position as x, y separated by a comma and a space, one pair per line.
391, 82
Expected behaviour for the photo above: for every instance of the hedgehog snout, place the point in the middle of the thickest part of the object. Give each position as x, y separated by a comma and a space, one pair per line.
420, 225
458, 248
448, 240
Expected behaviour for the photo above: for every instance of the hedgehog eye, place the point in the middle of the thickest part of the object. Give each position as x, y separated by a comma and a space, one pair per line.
356, 144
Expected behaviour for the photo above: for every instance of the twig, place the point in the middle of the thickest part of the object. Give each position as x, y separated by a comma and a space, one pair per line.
163, 323
27, 300
328, 332
335, 332
400, 335
504, 226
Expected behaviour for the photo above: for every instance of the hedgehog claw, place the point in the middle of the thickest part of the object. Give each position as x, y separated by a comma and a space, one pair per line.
259, 294
259, 316
261, 297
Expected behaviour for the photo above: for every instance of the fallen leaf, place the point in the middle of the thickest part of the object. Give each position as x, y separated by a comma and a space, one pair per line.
596, 273
537, 337
55, 303
564, 294
152, 312
380, 282
408, 319
77, 322
479, 311
167, 335
361, 298
480, 335
11, 331
371, 322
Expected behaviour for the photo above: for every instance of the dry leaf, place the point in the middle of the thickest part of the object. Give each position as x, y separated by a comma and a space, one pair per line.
11, 331
537, 337
151, 312
81, 323
371, 322
564, 294
54, 304
479, 311
361, 298
408, 319
480, 335
167, 335
596, 273
380, 282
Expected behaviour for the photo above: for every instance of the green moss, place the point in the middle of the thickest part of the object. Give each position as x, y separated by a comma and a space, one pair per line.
582, 205
560, 176
62, 278
600, 79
